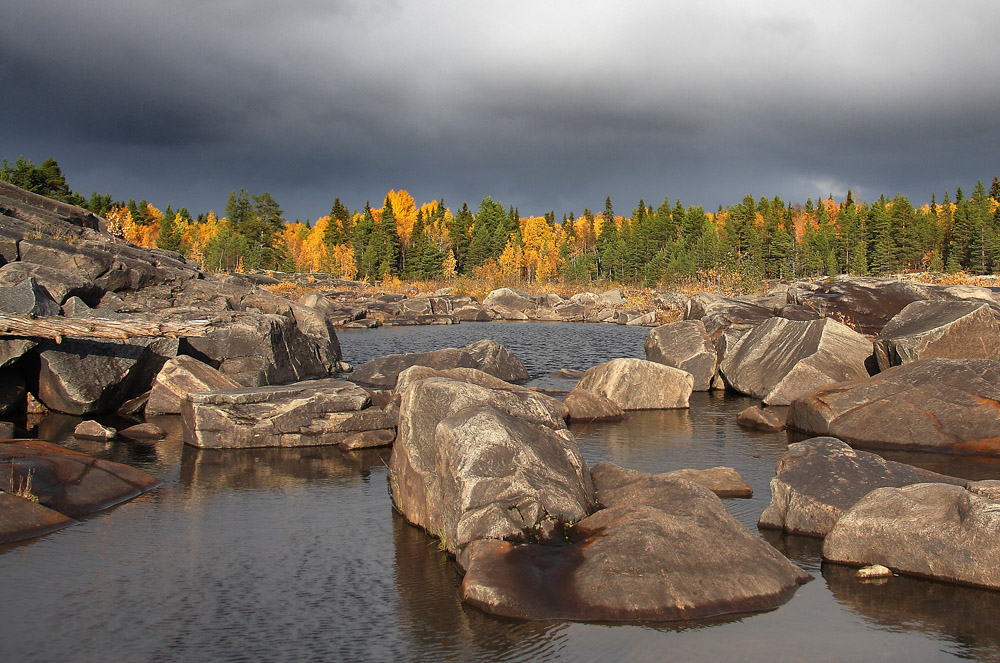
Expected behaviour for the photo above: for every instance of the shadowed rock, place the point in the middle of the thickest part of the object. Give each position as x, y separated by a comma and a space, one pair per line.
635, 384
863, 304
687, 346
69, 482
930, 530
22, 518
952, 329
86, 377
59, 284
943, 405
27, 298
720, 314
780, 360
818, 480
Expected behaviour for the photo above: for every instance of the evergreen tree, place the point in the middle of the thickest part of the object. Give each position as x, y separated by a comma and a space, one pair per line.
459, 236
361, 240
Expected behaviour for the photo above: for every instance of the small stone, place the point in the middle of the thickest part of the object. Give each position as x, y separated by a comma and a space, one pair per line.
92, 430
759, 419
873, 571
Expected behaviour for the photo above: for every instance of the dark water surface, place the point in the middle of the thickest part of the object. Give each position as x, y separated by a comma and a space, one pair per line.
296, 555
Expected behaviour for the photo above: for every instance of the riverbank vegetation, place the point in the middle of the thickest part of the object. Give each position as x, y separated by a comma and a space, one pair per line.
731, 249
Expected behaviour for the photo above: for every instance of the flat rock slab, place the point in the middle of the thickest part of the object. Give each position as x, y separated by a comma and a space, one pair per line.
929, 530
686, 558
820, 479
487, 356
634, 384
310, 413
780, 360
70, 482
687, 346
952, 329
863, 304
940, 405
472, 462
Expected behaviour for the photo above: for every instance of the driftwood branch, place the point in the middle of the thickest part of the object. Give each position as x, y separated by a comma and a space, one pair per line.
58, 328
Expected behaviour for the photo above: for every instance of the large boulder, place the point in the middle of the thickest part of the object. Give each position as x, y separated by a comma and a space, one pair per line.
70, 482
943, 405
681, 557
472, 462
24, 518
820, 479
780, 360
179, 377
930, 530
635, 384
863, 304
88, 377
687, 346
953, 329
487, 356
310, 413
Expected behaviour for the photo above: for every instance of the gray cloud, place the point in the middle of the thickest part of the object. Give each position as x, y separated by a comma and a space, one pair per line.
544, 105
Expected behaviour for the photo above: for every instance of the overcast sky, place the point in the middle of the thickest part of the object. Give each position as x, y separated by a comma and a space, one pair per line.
540, 104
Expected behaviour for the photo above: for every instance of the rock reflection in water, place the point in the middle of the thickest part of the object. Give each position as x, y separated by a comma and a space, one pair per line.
964, 615
274, 468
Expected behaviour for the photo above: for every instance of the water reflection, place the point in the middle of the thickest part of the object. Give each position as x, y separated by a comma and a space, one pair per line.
274, 468
966, 616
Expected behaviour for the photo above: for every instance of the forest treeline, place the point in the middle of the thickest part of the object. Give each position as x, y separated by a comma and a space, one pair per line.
753, 240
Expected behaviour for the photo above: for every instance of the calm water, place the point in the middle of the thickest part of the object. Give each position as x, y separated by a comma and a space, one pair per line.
296, 555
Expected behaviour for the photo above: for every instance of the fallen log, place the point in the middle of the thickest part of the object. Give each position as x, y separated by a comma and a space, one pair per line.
58, 328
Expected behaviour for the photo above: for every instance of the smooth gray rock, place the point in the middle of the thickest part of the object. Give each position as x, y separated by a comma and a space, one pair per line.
780, 360
12, 349
820, 479
619, 486
687, 346
720, 314
93, 430
59, 284
635, 384
509, 298
942, 405
952, 329
929, 530
310, 413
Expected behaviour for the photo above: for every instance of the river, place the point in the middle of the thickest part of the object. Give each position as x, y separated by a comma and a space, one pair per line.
296, 555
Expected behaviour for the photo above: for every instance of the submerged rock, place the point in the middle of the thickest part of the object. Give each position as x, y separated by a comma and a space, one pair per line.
22, 518
942, 405
820, 479
70, 482
935, 531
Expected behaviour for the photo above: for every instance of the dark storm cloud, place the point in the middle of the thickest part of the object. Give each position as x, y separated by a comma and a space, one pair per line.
545, 105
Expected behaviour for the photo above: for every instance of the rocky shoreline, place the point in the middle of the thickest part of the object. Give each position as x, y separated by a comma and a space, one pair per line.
489, 467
